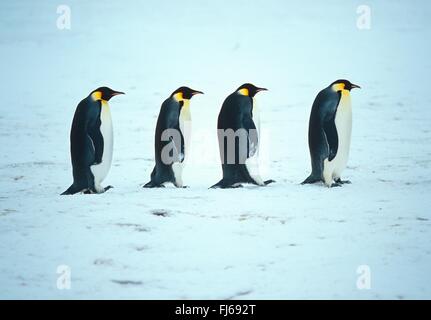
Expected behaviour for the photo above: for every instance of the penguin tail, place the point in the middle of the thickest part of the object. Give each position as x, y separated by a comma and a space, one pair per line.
218, 185
152, 184
269, 182
70, 191
149, 185
222, 184
311, 179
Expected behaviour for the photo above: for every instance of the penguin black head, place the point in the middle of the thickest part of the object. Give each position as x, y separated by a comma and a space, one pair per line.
250, 90
343, 84
184, 93
104, 93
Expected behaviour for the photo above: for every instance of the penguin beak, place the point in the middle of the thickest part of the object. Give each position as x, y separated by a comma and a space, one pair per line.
196, 92
355, 86
116, 93
261, 89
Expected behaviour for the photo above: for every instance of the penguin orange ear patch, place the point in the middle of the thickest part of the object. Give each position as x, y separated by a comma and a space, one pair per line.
244, 92
178, 96
338, 86
97, 95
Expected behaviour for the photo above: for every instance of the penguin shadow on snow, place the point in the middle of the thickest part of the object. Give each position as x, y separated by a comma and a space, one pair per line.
135, 226
127, 283
161, 213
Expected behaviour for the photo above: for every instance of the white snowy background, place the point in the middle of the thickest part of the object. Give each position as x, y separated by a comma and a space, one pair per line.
280, 242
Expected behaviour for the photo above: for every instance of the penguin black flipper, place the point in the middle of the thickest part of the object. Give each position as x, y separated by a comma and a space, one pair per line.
331, 137
252, 146
97, 139
328, 110
245, 121
178, 148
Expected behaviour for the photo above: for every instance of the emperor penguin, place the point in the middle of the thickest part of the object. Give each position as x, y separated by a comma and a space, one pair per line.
171, 139
329, 133
238, 138
91, 142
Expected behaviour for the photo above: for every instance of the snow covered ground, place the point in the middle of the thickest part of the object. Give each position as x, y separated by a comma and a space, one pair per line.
280, 242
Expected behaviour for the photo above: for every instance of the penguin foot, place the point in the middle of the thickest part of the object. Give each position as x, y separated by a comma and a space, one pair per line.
310, 180
151, 185
94, 191
180, 185
336, 184
342, 181
269, 182
218, 185
233, 186
72, 190
222, 185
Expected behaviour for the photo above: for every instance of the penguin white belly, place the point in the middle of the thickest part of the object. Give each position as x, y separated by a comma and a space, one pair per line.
343, 124
100, 171
185, 121
252, 163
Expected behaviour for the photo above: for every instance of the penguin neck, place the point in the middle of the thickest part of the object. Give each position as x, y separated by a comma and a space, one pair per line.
185, 107
345, 105
104, 104
105, 113
185, 114
345, 96
255, 114
339, 87
185, 122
